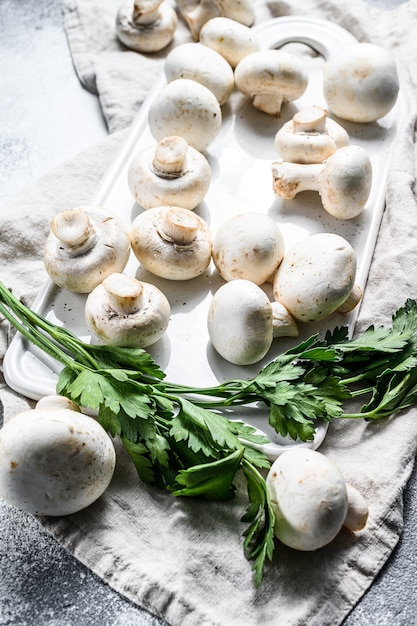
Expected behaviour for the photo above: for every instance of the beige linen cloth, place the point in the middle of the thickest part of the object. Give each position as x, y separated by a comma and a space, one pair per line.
183, 559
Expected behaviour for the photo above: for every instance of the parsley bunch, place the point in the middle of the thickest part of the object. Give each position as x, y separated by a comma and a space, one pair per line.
182, 438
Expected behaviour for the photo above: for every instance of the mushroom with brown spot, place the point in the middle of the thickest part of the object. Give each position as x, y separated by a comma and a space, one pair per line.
229, 38
248, 245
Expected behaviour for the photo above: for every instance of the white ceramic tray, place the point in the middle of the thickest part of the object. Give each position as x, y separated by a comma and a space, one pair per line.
240, 159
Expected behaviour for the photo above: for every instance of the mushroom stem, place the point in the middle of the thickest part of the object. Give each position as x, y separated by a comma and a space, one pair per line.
310, 120
351, 301
75, 231
123, 294
357, 512
283, 324
289, 179
145, 12
179, 226
270, 103
169, 157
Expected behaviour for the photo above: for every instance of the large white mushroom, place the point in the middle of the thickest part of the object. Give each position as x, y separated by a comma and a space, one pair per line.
270, 78
202, 64
123, 311
171, 242
229, 38
248, 245
360, 83
310, 136
316, 277
85, 245
343, 180
242, 322
53, 459
198, 12
169, 173
311, 500
146, 25
188, 109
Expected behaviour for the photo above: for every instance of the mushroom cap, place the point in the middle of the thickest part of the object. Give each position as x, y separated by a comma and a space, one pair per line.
85, 245
202, 64
272, 74
146, 37
310, 137
315, 276
155, 186
248, 245
345, 182
123, 311
188, 109
54, 461
239, 322
171, 242
229, 38
309, 499
360, 84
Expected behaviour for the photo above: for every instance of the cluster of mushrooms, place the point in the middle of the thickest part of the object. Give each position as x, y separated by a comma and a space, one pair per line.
87, 249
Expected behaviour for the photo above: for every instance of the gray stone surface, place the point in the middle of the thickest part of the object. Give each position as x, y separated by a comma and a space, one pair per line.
45, 118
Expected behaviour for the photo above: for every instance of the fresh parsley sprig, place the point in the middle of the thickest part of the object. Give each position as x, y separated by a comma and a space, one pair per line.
182, 438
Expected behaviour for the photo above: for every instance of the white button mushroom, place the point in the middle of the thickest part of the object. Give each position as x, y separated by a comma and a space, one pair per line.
343, 180
124, 311
316, 276
197, 62
85, 245
171, 242
309, 498
53, 459
310, 137
187, 109
198, 13
360, 83
242, 322
169, 173
271, 77
248, 245
229, 38
146, 25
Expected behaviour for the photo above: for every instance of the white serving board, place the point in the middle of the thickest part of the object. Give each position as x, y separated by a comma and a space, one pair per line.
240, 159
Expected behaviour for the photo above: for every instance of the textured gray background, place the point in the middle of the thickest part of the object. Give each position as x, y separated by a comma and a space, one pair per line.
45, 118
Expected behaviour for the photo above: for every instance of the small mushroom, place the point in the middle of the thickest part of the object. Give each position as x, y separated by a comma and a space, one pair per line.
270, 78
310, 137
343, 180
229, 38
248, 245
316, 277
169, 173
309, 497
242, 322
202, 64
123, 311
360, 83
85, 245
171, 242
146, 25
54, 460
188, 109
197, 12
